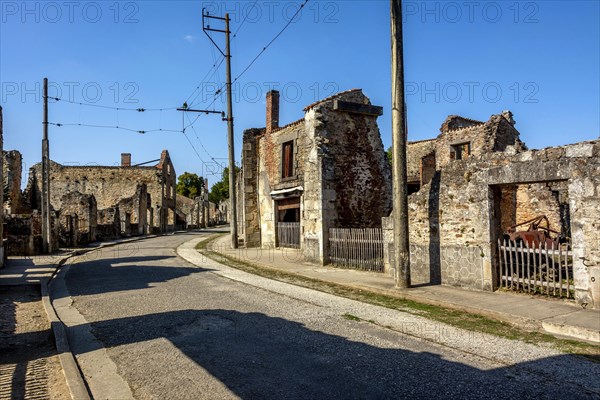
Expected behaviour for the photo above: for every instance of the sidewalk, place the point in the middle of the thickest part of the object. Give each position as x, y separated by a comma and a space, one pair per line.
32, 270
531, 313
38, 270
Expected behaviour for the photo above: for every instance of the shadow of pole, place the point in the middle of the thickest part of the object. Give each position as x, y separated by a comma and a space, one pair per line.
259, 356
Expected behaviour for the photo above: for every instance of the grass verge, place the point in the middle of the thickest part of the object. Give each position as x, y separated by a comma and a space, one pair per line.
457, 318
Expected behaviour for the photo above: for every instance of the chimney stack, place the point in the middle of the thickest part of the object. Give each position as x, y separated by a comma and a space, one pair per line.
125, 159
272, 110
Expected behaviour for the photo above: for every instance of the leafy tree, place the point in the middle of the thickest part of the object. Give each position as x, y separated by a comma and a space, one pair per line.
388, 153
190, 185
220, 190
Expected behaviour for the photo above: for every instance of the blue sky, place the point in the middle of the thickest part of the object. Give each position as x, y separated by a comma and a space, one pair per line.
539, 59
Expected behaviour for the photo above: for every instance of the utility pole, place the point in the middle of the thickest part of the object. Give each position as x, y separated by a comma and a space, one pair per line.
46, 222
1, 191
230, 136
399, 138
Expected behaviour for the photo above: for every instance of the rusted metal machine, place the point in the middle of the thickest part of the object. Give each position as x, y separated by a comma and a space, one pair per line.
538, 232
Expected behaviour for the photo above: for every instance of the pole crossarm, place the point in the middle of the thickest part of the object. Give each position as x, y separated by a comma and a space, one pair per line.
206, 28
202, 111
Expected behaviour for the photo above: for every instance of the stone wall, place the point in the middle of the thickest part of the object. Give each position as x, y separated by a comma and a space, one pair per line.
454, 222
338, 157
109, 223
354, 165
12, 171
78, 219
133, 211
110, 185
24, 234
495, 135
521, 203
428, 168
414, 153
249, 219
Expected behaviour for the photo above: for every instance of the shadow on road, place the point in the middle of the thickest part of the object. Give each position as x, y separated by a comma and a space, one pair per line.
123, 273
26, 342
258, 356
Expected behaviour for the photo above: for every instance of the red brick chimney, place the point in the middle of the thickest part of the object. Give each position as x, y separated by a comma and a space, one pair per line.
125, 159
272, 110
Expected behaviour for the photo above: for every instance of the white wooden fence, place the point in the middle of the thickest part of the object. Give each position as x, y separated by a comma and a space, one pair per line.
536, 269
359, 248
288, 234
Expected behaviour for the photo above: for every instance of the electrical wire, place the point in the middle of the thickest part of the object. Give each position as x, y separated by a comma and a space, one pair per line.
219, 92
114, 127
219, 61
198, 138
138, 109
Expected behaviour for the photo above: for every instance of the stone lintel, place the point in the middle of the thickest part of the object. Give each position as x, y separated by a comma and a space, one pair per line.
357, 108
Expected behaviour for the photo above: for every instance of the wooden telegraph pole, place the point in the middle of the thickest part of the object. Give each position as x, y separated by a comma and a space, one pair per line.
399, 138
46, 222
230, 136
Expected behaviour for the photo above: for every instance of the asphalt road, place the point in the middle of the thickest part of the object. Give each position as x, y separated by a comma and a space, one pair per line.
175, 330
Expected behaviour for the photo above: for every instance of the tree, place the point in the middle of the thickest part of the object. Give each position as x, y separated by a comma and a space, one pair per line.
388, 153
190, 185
220, 190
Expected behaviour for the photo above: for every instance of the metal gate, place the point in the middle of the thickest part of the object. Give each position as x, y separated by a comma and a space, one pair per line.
536, 269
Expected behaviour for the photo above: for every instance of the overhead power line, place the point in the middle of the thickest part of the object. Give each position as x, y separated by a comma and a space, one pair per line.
219, 92
141, 131
217, 63
243, 21
198, 138
138, 109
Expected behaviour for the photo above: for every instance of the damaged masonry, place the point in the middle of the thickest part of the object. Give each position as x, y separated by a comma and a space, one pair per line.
484, 211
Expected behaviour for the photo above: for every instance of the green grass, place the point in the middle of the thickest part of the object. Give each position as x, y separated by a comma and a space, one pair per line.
453, 317
351, 317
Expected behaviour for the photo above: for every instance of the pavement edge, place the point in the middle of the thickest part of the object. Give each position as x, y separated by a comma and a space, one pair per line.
77, 385
73, 376
561, 330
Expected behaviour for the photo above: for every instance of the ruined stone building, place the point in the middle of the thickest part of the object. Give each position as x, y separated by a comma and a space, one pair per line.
192, 213
22, 224
459, 139
475, 181
325, 170
12, 173
130, 199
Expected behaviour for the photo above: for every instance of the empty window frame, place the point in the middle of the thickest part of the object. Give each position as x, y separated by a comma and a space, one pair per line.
460, 151
287, 159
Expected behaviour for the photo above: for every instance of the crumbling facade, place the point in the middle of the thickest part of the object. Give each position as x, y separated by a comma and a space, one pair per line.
78, 219
314, 172
458, 215
125, 187
460, 139
11, 173
22, 224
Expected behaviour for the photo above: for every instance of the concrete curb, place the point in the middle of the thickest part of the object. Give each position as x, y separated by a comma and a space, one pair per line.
528, 324
73, 376
569, 331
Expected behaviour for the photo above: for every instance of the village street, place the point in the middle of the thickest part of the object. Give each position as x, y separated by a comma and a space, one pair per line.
145, 323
